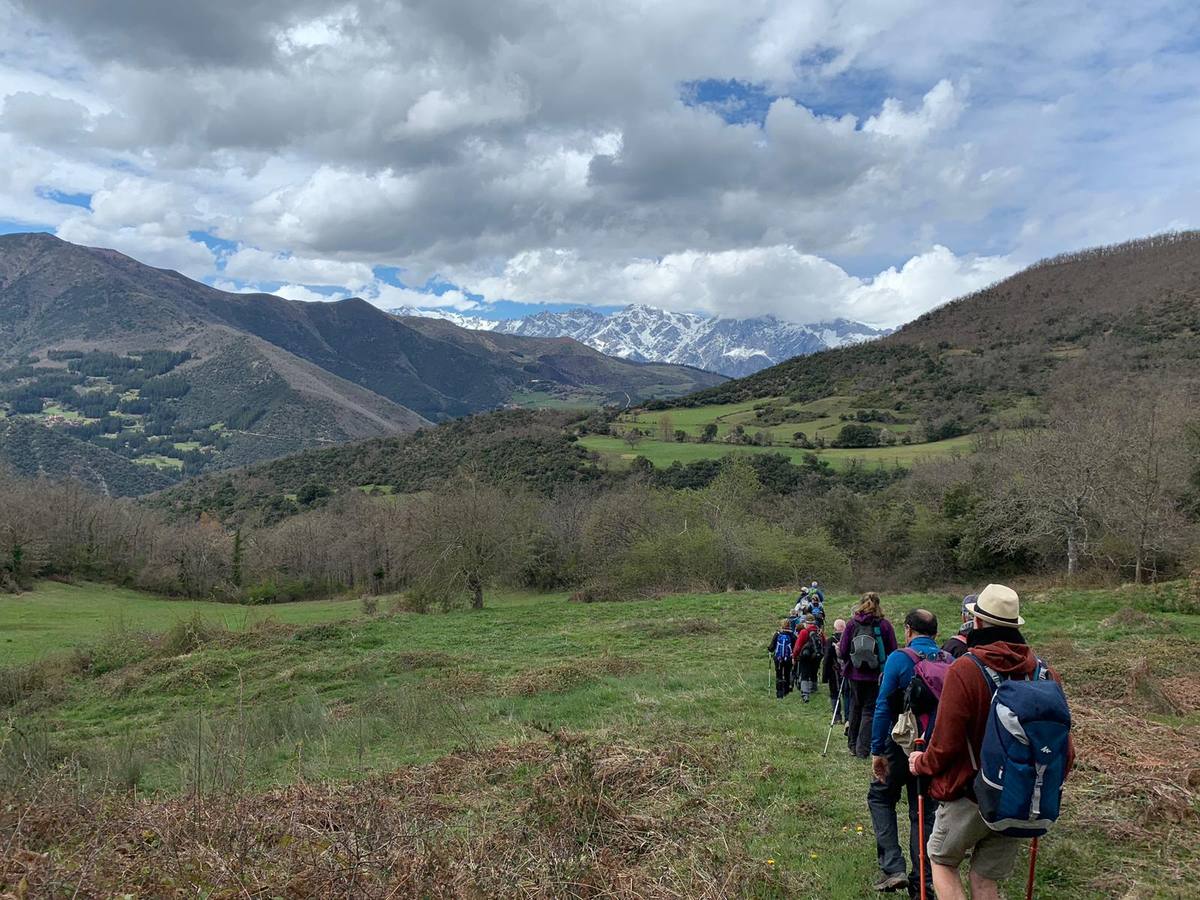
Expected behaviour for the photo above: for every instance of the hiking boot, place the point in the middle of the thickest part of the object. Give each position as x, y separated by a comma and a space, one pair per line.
889, 883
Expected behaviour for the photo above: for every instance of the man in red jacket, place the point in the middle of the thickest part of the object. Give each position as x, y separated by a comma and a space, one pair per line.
806, 665
957, 737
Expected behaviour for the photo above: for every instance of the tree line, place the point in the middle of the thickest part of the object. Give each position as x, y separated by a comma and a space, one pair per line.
1111, 489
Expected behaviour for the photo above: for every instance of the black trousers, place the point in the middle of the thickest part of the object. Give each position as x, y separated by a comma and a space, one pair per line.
783, 677
882, 799
806, 674
862, 709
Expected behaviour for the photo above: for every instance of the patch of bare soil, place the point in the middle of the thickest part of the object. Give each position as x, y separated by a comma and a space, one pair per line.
565, 817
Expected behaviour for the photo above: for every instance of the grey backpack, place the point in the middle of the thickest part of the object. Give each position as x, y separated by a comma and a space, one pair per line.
866, 650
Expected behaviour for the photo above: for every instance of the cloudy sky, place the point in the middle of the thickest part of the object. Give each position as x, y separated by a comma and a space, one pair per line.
858, 158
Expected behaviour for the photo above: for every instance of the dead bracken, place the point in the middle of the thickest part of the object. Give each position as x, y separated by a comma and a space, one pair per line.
541, 819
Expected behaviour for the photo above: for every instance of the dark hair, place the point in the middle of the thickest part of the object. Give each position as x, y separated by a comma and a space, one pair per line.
922, 621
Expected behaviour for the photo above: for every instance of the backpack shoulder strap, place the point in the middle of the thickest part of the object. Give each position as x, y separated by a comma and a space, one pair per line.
990, 675
1040, 672
915, 655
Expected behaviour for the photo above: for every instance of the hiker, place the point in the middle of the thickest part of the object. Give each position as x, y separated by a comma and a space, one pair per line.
864, 646
803, 604
831, 671
807, 654
956, 644
986, 817
818, 611
815, 593
780, 649
889, 761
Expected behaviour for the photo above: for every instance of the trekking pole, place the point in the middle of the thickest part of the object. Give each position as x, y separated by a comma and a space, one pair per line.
919, 745
832, 719
1033, 848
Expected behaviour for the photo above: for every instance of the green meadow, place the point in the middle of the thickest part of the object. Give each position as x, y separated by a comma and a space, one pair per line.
57, 617
652, 722
662, 453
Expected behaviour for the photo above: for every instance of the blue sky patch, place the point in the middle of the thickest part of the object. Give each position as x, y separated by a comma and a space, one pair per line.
737, 102
220, 246
83, 201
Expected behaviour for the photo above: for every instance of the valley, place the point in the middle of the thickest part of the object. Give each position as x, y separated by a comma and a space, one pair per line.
159, 371
574, 451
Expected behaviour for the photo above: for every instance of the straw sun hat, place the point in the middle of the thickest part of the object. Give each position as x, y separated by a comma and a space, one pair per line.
998, 605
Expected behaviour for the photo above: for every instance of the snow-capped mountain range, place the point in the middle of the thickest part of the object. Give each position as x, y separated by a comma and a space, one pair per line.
733, 347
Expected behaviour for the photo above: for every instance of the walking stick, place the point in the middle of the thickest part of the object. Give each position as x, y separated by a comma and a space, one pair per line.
919, 745
832, 718
1033, 848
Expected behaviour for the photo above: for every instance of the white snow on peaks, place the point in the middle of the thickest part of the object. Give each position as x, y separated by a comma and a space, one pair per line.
732, 347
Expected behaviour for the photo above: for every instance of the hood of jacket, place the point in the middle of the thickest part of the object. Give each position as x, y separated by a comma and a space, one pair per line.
1006, 658
863, 618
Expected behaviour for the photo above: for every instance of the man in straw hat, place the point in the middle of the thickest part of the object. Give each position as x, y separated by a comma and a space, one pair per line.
956, 743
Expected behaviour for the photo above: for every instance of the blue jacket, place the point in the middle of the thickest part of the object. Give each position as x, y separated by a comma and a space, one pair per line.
897, 673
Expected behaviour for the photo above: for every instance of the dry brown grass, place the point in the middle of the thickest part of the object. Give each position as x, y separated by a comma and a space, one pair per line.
566, 676
564, 817
1138, 777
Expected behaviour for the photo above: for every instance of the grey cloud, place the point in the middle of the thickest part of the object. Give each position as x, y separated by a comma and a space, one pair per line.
455, 135
45, 119
166, 34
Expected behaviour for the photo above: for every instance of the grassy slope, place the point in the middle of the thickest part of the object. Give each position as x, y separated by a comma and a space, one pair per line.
686, 668
662, 453
59, 616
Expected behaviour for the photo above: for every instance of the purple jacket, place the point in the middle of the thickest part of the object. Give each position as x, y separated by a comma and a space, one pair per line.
886, 633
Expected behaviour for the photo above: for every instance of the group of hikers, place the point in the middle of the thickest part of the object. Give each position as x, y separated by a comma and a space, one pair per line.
975, 734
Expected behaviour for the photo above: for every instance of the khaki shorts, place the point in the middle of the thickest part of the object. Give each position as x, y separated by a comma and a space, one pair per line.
959, 829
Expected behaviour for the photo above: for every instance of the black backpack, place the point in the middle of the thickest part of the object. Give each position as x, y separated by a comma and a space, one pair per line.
814, 647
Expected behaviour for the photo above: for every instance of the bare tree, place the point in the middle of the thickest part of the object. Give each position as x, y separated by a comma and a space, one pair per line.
466, 535
1147, 480
666, 428
633, 437
1049, 486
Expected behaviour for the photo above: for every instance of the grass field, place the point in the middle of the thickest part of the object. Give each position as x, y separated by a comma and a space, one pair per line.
818, 418
59, 616
540, 747
159, 461
663, 453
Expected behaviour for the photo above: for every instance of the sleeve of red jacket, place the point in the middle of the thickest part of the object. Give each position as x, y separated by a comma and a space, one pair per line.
801, 637
948, 743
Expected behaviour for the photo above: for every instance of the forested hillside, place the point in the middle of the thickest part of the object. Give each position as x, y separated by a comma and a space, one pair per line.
1127, 312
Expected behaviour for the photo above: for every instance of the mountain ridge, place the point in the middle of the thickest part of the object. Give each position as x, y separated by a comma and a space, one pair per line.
731, 346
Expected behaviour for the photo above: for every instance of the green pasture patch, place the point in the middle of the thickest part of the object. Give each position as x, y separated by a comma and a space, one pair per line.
56, 617
55, 409
159, 461
662, 453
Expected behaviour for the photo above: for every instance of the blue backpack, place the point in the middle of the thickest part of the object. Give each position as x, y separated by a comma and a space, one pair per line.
1023, 759
783, 646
